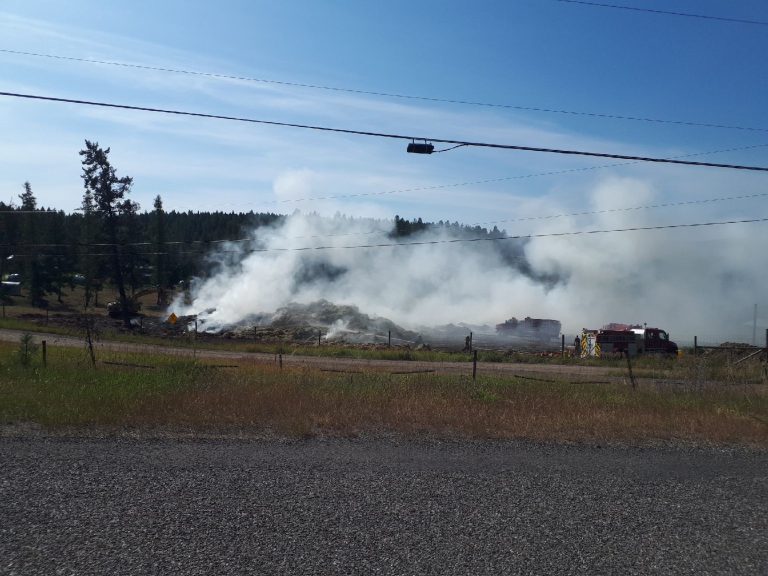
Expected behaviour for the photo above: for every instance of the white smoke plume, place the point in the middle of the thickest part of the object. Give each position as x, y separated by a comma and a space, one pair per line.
689, 281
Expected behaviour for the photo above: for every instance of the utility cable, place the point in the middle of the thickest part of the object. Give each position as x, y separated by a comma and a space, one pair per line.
487, 181
665, 12
443, 241
626, 209
516, 237
387, 135
523, 219
428, 188
447, 149
393, 94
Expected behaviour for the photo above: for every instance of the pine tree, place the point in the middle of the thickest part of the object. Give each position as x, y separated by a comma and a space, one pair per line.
87, 239
111, 209
161, 279
33, 267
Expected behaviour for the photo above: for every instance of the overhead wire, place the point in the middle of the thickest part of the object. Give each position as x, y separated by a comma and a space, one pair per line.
491, 145
666, 12
488, 180
448, 241
382, 231
476, 103
626, 209
446, 186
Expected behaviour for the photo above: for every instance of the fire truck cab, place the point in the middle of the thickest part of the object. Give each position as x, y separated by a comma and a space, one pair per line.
654, 341
632, 342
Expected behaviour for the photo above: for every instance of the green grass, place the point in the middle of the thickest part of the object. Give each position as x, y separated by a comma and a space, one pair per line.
153, 390
706, 368
70, 391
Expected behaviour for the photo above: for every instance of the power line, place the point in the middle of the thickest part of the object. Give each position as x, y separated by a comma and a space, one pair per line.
488, 180
452, 185
519, 237
448, 241
392, 94
666, 12
380, 231
628, 209
555, 216
386, 135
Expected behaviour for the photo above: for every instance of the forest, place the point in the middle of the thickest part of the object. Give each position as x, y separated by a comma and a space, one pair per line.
110, 241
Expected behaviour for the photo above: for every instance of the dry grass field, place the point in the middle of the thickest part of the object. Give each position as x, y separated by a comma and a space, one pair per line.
711, 398
157, 392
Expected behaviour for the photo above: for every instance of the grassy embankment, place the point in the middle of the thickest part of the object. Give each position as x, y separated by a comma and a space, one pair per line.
178, 394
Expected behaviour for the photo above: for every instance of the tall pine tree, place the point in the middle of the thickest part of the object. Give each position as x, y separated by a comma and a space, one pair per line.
111, 210
161, 276
33, 267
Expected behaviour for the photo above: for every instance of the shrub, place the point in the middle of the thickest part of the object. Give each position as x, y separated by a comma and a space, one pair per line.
27, 349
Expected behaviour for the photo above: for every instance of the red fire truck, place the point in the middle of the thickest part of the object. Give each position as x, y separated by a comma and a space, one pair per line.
633, 341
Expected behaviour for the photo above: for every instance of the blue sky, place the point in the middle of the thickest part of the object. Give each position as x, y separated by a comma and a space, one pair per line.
521, 53
528, 53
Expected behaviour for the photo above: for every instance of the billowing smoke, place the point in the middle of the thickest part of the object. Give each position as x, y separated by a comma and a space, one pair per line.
307, 258
688, 281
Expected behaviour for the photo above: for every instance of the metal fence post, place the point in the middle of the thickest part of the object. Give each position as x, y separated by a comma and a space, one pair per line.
474, 366
45, 354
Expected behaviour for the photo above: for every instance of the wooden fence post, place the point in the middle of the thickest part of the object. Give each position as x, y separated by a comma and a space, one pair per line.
45, 354
695, 361
631, 376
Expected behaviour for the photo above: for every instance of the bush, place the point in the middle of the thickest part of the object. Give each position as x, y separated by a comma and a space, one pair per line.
27, 349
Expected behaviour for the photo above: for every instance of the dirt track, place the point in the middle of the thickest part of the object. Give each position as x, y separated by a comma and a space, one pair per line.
534, 371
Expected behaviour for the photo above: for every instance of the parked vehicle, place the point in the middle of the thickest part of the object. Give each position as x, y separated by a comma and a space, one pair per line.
115, 309
633, 342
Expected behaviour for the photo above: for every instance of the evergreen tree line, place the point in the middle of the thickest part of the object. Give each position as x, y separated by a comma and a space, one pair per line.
108, 240
47, 249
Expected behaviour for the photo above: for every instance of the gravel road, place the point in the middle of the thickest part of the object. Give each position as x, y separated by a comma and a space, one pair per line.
377, 506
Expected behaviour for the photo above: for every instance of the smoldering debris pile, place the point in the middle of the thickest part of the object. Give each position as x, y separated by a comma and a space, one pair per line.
334, 322
531, 328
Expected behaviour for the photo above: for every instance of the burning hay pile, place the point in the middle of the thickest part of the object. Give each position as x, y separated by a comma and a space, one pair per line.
298, 322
